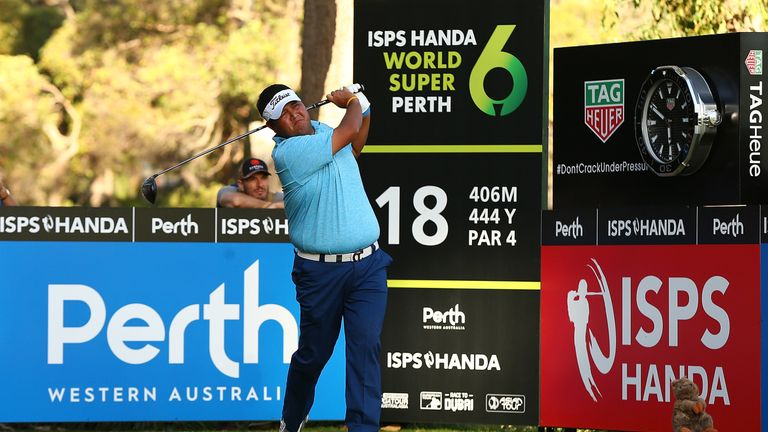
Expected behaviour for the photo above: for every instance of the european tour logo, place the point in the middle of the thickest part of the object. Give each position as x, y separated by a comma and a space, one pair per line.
604, 106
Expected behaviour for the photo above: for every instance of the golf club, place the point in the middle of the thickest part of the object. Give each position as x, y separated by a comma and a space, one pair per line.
149, 187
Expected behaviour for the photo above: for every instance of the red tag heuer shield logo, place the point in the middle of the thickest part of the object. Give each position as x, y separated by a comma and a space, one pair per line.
604, 106
754, 62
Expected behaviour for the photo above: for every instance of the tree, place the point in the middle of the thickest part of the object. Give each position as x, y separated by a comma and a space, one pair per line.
123, 89
674, 18
317, 38
36, 150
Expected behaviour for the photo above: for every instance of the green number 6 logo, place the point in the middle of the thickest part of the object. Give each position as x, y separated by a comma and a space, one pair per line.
493, 57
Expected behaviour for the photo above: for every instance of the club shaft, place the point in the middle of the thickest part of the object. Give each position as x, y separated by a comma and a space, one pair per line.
203, 153
358, 88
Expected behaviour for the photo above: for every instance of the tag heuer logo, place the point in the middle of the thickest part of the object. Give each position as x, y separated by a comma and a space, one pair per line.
604, 106
754, 62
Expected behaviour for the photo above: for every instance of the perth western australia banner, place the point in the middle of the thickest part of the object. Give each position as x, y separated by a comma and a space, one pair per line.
122, 331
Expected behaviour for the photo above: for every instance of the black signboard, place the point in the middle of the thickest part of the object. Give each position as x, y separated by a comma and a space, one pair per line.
643, 225
461, 355
631, 127
444, 223
453, 169
439, 72
66, 224
569, 227
654, 226
251, 225
143, 224
729, 225
174, 224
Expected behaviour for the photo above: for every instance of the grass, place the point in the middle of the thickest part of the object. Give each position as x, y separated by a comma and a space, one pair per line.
256, 426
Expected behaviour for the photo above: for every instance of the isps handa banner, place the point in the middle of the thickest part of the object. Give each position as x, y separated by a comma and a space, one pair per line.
121, 331
635, 299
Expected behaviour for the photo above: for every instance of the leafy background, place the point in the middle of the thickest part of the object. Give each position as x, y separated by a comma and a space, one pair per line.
96, 95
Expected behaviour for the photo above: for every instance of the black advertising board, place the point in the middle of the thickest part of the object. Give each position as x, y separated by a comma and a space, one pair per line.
652, 226
461, 356
453, 169
486, 220
664, 122
174, 224
431, 68
143, 225
66, 224
249, 225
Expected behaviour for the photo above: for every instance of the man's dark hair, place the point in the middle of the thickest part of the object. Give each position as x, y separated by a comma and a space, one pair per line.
267, 94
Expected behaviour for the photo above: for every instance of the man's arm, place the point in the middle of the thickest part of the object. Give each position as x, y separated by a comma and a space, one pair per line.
241, 200
5, 196
349, 128
362, 136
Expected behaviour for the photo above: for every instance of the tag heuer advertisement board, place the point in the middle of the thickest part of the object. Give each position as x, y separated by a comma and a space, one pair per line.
663, 122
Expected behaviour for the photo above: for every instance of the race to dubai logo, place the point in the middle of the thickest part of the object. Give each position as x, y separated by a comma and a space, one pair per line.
578, 314
604, 106
754, 62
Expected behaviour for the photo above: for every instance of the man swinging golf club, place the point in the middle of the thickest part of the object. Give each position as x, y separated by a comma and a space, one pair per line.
339, 269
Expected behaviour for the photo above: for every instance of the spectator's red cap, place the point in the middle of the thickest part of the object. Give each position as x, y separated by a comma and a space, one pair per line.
252, 166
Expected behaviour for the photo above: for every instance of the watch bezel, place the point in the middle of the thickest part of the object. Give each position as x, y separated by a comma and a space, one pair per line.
705, 125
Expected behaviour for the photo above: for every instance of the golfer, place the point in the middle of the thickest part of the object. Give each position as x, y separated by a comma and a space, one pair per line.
339, 269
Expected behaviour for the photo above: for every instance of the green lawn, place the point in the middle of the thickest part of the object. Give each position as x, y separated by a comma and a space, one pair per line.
255, 426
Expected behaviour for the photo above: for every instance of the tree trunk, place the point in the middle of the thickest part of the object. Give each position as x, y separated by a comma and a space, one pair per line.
317, 42
340, 71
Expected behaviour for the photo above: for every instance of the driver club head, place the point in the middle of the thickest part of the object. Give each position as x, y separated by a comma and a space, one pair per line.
149, 190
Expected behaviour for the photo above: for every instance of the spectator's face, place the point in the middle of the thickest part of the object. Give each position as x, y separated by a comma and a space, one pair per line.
293, 121
256, 186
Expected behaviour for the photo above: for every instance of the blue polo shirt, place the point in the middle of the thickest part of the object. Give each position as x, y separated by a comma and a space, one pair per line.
325, 202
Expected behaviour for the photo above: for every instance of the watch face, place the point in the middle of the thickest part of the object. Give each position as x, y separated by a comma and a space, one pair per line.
668, 120
667, 114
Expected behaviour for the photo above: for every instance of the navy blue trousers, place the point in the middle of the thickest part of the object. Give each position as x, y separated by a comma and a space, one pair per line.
328, 292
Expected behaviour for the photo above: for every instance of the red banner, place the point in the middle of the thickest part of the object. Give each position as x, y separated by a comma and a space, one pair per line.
620, 323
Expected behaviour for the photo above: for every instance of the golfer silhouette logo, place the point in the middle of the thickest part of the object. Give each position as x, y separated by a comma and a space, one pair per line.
578, 314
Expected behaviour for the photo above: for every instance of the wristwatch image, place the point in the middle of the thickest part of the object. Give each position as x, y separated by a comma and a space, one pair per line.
676, 118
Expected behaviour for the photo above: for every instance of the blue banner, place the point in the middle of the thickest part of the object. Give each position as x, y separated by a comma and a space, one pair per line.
107, 331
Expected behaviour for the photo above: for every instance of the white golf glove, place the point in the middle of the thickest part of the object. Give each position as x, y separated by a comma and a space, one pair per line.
365, 105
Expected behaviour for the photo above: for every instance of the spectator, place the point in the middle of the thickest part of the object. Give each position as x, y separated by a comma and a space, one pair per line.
6, 199
251, 190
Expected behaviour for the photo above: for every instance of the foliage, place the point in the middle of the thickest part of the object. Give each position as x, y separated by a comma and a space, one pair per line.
37, 26
95, 96
575, 22
675, 18
11, 17
122, 89
25, 110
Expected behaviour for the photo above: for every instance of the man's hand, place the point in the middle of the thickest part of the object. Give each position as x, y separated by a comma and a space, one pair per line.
342, 97
365, 105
